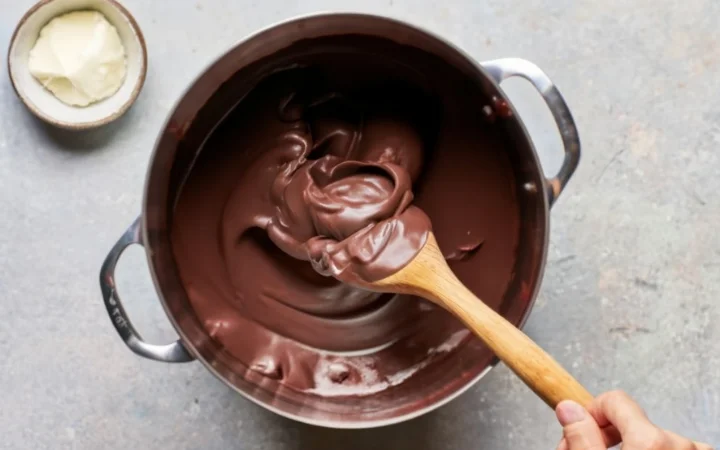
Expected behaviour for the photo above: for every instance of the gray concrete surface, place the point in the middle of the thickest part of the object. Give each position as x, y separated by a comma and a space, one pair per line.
630, 294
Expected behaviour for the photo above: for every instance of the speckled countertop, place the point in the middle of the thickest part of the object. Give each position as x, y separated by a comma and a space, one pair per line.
630, 292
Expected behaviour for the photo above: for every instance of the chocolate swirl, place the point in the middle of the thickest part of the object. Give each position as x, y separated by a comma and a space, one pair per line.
351, 219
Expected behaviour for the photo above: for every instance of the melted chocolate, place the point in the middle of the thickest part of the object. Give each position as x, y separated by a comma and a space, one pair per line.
318, 164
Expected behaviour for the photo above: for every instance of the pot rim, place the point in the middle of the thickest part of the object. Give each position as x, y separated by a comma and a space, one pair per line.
333, 423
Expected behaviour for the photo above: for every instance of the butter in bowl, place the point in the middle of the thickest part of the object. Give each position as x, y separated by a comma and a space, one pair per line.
77, 64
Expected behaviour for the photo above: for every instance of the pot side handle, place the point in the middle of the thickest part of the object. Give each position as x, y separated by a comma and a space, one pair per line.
502, 69
174, 352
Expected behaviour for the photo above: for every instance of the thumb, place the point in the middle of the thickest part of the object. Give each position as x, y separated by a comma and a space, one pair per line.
579, 428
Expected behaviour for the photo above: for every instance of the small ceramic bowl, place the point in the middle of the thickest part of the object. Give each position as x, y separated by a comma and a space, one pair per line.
41, 101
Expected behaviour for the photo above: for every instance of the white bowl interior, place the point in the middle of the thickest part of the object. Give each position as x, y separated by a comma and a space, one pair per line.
43, 102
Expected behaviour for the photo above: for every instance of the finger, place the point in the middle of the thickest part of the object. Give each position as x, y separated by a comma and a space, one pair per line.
579, 428
611, 438
562, 445
618, 409
681, 442
702, 446
611, 435
675, 441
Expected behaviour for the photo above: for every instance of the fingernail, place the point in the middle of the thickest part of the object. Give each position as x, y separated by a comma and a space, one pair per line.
569, 412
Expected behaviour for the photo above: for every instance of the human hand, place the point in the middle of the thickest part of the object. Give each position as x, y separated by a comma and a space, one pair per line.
613, 418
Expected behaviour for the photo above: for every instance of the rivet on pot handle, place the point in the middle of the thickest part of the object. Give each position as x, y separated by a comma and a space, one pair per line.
174, 352
505, 68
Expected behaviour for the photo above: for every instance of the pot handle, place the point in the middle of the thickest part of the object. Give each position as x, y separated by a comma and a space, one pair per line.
502, 69
174, 352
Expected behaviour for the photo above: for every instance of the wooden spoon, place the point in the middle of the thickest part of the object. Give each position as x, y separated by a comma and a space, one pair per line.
429, 276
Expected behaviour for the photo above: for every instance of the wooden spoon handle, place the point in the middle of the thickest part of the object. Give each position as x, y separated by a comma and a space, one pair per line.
533, 365
429, 276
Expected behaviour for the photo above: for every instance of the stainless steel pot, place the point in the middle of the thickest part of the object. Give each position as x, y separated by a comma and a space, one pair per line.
189, 124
